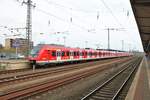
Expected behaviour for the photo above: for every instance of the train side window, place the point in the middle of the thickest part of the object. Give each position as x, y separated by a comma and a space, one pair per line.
53, 53
80, 53
67, 53
74, 53
58, 54
95, 54
85, 53
90, 53
63, 53
71, 54
77, 53
99, 53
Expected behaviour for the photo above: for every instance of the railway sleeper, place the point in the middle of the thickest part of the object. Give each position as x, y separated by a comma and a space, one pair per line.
107, 92
108, 89
101, 97
104, 95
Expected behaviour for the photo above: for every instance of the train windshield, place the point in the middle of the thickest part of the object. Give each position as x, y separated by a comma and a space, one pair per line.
35, 51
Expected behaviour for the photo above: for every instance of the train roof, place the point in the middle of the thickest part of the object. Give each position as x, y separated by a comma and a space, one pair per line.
56, 46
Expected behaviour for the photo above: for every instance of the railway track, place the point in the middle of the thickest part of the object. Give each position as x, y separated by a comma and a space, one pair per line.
111, 89
6, 72
48, 85
34, 75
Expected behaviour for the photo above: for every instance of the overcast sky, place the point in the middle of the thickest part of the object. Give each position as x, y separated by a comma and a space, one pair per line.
51, 16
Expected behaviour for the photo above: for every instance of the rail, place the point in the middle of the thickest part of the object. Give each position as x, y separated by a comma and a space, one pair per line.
111, 88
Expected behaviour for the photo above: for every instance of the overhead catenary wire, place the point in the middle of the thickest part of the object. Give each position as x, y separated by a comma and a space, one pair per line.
122, 26
68, 8
111, 12
72, 18
61, 19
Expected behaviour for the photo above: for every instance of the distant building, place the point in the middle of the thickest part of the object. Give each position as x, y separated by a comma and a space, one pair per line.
20, 43
8, 43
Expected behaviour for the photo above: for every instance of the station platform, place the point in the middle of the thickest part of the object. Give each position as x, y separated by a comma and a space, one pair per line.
13, 64
140, 88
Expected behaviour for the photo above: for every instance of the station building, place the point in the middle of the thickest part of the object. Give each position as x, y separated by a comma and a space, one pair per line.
20, 43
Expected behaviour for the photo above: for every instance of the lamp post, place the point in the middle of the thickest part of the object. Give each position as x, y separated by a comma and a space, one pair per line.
108, 36
86, 44
64, 40
122, 42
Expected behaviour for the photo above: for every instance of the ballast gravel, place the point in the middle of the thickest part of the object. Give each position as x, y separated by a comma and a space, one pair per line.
78, 89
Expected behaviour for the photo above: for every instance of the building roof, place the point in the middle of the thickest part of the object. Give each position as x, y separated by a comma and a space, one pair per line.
141, 9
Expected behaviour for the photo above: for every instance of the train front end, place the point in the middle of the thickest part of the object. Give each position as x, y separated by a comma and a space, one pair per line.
34, 56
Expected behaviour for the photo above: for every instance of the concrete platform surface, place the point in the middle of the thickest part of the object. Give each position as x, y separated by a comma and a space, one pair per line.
13, 64
140, 88
13, 60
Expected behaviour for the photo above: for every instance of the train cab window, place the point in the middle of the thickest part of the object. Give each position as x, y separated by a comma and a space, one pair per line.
63, 53
67, 53
35, 51
53, 53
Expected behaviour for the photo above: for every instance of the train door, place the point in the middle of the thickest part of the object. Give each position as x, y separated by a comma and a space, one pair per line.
58, 55
71, 55
88, 54
80, 54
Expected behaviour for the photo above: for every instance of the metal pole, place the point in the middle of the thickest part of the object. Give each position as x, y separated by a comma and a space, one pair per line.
86, 43
33, 67
108, 39
16, 52
28, 25
64, 40
122, 45
29, 31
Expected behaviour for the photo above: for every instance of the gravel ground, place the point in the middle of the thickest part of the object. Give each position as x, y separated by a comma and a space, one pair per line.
76, 90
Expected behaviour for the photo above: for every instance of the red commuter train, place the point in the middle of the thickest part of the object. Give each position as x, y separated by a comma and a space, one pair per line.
48, 54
